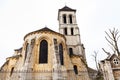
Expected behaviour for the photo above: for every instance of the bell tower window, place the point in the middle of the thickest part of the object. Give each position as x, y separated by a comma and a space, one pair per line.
65, 31
64, 19
72, 31
70, 19
61, 54
43, 53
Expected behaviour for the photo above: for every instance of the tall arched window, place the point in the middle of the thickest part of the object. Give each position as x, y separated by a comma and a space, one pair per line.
72, 31
75, 69
26, 51
70, 19
70, 51
64, 19
43, 52
61, 54
65, 31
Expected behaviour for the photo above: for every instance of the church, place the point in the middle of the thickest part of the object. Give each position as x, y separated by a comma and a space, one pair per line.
50, 55
110, 67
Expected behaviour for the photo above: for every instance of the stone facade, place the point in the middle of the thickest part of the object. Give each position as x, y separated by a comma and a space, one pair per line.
110, 67
49, 55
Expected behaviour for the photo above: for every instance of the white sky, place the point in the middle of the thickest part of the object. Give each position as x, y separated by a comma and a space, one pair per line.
19, 17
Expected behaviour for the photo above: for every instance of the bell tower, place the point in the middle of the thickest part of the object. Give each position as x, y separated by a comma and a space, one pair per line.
68, 27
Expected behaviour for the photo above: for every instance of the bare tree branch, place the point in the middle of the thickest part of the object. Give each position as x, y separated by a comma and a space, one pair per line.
109, 41
108, 35
108, 53
118, 37
112, 38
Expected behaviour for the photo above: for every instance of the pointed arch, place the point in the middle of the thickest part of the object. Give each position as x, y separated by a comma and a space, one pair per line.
43, 52
75, 69
61, 54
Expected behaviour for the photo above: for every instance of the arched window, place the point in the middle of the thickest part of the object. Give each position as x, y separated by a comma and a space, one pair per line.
26, 51
43, 52
70, 51
64, 19
11, 71
61, 54
75, 69
65, 31
72, 31
70, 19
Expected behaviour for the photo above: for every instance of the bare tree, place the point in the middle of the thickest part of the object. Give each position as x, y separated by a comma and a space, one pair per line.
95, 59
99, 75
112, 38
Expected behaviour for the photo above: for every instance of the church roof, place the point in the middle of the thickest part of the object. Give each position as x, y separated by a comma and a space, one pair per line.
110, 57
42, 30
113, 55
46, 29
67, 9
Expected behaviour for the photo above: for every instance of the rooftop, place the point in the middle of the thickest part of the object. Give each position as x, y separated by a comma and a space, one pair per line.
43, 30
67, 9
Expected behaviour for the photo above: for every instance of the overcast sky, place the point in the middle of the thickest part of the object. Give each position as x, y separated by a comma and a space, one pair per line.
19, 17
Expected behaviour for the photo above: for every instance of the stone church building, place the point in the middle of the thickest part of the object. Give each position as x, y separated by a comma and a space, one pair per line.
49, 55
110, 67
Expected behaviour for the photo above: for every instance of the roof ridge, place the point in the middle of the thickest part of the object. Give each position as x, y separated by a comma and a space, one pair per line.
66, 8
40, 30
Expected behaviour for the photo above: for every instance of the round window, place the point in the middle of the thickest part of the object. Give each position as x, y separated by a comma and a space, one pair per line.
115, 61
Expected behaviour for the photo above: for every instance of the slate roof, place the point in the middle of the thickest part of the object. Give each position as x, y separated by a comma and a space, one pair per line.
46, 29
67, 9
42, 30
